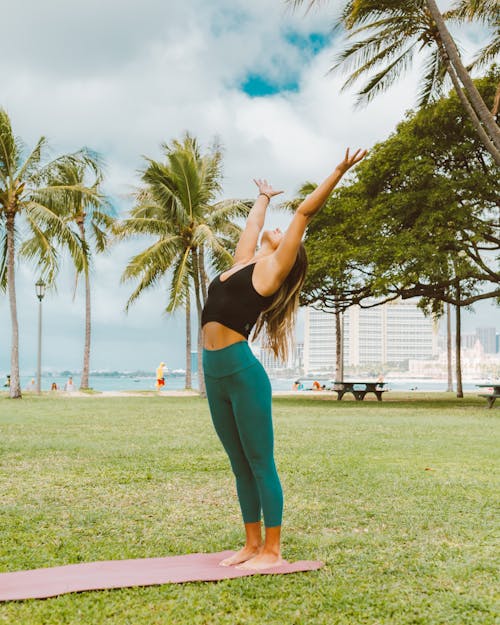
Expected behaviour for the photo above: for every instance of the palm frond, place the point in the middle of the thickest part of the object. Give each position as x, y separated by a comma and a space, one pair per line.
9, 148
41, 218
486, 11
163, 191
225, 210
160, 254
488, 54
433, 79
382, 44
32, 162
41, 249
138, 226
150, 265
385, 78
204, 235
180, 280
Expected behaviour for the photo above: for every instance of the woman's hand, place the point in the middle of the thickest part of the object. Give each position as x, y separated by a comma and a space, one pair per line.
349, 161
265, 188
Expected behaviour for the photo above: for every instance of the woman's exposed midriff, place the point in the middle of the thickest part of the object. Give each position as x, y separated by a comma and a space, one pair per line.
218, 336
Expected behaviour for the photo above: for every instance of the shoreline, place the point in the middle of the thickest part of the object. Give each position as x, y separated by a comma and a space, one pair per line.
397, 394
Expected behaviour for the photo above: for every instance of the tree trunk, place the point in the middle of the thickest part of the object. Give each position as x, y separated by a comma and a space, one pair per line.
458, 345
482, 134
189, 382
342, 344
199, 308
448, 349
15, 383
339, 376
475, 98
86, 349
496, 102
203, 275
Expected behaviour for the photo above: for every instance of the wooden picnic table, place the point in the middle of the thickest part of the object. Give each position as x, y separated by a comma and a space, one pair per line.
359, 389
490, 397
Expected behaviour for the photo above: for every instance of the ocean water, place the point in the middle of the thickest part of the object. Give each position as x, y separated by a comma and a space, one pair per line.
127, 383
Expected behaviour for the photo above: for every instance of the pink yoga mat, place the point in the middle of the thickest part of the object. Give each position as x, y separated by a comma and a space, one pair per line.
194, 567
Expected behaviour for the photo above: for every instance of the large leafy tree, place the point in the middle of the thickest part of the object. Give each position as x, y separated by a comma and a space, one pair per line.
81, 204
422, 211
434, 198
176, 205
28, 200
383, 37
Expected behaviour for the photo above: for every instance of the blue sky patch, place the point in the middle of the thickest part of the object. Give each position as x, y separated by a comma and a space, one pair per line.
259, 84
310, 44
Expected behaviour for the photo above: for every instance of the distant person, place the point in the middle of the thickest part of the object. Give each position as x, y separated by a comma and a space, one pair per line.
69, 387
160, 376
316, 386
54, 387
7, 381
295, 386
31, 386
380, 382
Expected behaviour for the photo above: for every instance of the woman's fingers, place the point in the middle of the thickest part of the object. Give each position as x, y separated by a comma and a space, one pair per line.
351, 160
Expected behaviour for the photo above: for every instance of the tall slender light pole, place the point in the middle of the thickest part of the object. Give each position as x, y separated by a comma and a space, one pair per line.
40, 292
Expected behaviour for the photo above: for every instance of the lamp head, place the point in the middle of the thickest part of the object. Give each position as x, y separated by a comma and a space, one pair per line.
40, 289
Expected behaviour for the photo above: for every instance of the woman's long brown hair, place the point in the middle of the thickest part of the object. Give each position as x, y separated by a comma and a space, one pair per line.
278, 321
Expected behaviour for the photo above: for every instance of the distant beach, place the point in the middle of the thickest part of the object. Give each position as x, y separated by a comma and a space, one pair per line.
125, 382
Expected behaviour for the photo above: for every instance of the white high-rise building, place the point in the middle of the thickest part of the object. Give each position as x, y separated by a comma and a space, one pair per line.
487, 338
275, 365
390, 333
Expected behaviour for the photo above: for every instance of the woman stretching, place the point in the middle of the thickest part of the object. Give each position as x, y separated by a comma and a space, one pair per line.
261, 288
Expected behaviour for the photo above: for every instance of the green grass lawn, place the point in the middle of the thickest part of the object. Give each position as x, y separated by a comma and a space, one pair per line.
398, 498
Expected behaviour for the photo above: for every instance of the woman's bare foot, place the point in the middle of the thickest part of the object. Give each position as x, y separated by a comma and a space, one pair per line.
263, 560
240, 556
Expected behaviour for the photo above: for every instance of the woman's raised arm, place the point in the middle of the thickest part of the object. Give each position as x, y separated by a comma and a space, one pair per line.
255, 221
284, 257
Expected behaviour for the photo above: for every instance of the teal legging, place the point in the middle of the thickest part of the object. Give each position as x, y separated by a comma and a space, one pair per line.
239, 396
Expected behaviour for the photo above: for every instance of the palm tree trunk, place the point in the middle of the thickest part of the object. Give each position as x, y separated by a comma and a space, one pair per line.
458, 344
203, 275
451, 49
199, 308
482, 134
338, 346
189, 382
15, 383
86, 349
496, 102
448, 349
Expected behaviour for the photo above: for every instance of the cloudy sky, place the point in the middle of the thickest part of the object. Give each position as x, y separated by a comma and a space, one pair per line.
122, 77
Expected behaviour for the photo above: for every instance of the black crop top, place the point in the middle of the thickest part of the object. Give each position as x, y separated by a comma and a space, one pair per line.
235, 303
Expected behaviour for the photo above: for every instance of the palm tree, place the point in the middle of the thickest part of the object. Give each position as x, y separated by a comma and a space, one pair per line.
86, 210
176, 205
486, 12
386, 34
27, 197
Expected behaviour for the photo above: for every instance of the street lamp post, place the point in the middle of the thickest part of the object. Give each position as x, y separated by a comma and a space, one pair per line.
40, 292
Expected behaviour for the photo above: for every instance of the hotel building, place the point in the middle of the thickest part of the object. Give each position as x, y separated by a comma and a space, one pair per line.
387, 334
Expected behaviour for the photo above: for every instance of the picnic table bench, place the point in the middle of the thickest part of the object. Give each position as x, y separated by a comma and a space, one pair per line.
359, 389
490, 397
